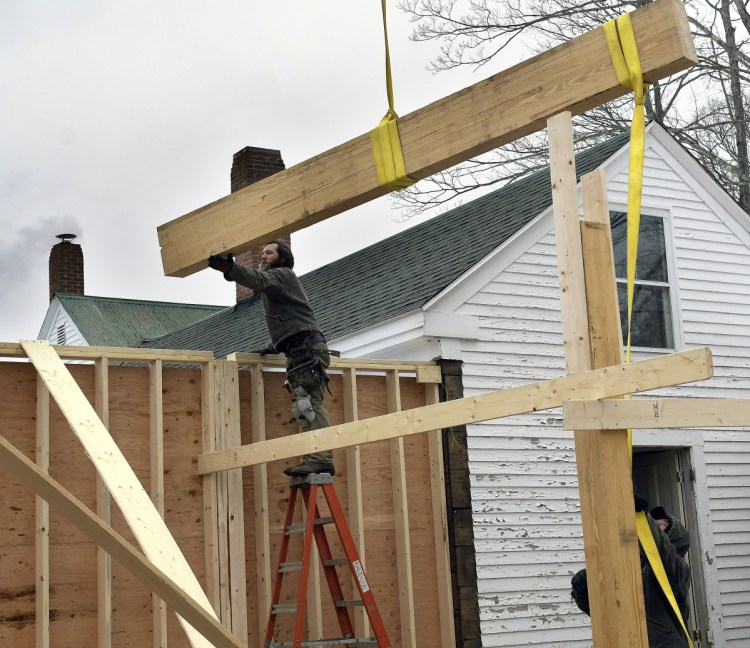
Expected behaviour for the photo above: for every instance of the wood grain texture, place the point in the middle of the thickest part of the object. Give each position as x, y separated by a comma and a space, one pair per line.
574, 77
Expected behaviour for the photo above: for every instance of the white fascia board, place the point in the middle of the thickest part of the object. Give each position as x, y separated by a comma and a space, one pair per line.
397, 331
419, 335
694, 175
449, 325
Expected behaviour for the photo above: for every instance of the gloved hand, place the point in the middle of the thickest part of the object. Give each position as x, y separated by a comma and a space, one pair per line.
641, 503
220, 263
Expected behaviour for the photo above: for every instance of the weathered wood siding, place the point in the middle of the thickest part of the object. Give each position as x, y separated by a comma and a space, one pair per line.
524, 485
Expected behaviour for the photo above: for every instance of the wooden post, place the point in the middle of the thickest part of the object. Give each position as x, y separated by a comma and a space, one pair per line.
223, 391
603, 458
604, 482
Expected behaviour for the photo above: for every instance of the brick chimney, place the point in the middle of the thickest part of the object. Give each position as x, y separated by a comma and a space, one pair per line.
66, 267
248, 166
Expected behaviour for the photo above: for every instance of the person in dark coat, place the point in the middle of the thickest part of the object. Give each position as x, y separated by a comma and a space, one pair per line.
672, 541
294, 331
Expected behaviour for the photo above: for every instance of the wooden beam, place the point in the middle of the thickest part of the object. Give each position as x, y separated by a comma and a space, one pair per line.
655, 373
575, 76
123, 484
605, 484
41, 551
650, 413
212, 633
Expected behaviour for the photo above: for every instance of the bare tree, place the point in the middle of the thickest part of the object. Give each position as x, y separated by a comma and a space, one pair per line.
705, 108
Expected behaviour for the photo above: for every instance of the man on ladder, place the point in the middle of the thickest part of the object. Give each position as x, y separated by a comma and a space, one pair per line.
294, 332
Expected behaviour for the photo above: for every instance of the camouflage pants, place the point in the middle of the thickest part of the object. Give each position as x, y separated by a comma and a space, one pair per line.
306, 363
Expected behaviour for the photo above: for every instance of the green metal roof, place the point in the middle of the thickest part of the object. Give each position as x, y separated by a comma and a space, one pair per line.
107, 321
396, 275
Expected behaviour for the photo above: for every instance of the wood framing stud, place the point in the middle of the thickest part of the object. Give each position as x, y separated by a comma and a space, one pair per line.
575, 76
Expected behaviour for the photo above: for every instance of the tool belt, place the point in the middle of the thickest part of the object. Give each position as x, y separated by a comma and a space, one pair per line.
306, 364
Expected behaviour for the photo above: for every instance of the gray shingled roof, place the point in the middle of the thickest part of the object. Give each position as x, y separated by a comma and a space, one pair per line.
398, 274
108, 321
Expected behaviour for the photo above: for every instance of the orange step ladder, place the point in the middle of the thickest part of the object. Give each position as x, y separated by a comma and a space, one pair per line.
314, 527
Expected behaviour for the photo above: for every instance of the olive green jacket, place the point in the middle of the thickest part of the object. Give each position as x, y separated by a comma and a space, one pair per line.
284, 301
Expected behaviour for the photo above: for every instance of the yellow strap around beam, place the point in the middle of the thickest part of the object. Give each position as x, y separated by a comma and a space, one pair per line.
627, 64
386, 142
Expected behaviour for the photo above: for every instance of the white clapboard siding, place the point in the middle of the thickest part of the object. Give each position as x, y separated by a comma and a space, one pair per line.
523, 473
60, 329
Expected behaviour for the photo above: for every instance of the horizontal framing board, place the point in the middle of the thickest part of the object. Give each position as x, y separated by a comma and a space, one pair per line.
575, 77
650, 413
618, 380
15, 350
427, 372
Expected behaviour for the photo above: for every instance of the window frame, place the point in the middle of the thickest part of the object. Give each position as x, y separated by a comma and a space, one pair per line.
672, 283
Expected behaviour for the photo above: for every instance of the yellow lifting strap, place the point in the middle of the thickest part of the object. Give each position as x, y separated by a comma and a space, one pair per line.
624, 53
386, 143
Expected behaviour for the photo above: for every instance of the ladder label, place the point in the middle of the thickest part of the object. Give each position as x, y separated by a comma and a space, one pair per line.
361, 575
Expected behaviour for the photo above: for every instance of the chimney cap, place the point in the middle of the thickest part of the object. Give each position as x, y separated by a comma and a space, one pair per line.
66, 238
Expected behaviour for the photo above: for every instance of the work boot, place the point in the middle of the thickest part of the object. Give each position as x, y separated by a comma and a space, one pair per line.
310, 468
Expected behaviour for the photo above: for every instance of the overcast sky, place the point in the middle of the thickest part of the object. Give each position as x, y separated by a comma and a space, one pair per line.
120, 116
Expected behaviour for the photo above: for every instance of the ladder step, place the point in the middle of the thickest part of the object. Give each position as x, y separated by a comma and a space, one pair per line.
300, 528
284, 608
338, 641
335, 561
353, 603
290, 567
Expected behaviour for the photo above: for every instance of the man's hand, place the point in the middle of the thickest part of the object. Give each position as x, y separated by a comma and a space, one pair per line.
220, 263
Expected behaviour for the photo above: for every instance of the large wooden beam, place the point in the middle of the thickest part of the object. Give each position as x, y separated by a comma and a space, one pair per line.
575, 77
71, 508
650, 413
655, 373
605, 485
123, 484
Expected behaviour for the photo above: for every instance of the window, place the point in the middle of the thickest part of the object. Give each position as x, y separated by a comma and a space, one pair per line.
652, 310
